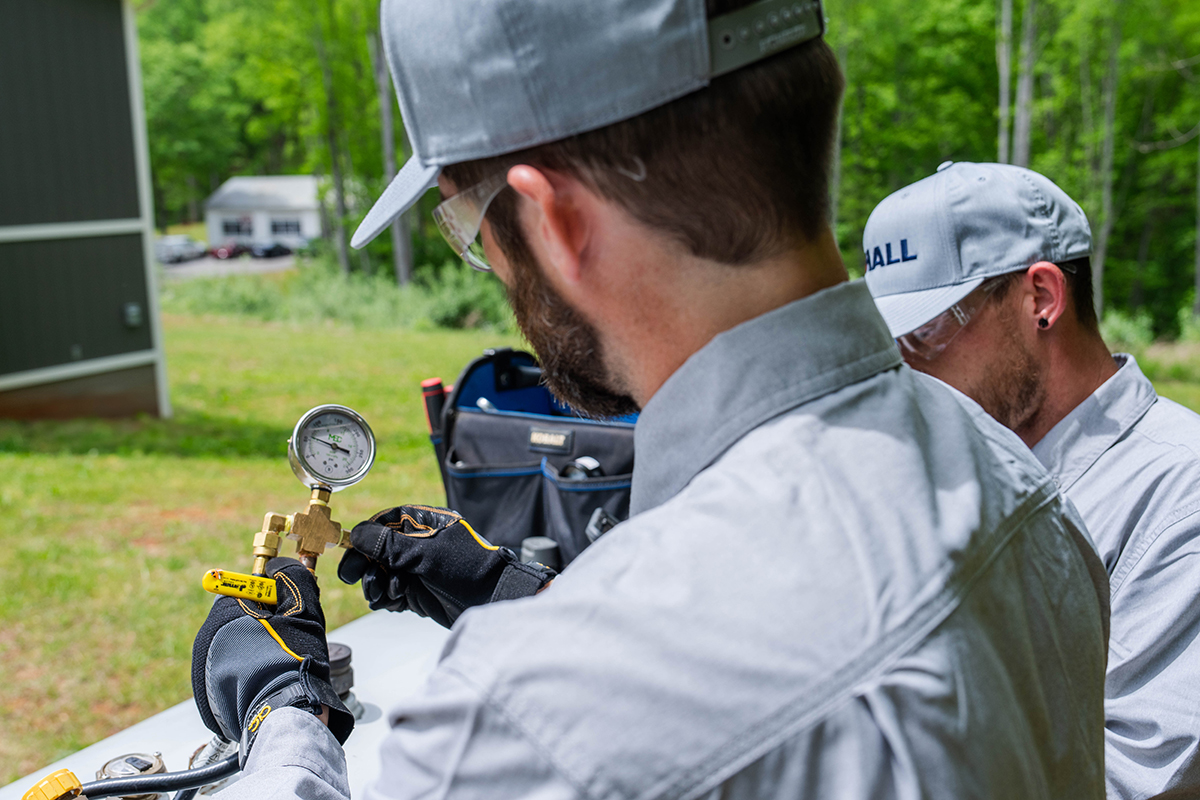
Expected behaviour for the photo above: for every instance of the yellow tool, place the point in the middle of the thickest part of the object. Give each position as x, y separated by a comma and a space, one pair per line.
235, 584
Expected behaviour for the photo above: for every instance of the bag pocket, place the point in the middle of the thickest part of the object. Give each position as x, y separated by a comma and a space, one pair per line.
502, 503
568, 505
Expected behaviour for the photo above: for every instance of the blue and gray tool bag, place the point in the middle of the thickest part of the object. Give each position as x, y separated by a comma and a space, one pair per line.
517, 464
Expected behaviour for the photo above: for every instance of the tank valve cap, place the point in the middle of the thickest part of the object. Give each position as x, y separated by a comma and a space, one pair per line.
55, 786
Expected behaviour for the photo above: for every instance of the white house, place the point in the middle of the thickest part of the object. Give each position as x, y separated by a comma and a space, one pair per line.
264, 209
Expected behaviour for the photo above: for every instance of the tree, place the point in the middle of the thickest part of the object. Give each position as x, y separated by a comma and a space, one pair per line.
1111, 79
1023, 119
1004, 67
331, 126
401, 234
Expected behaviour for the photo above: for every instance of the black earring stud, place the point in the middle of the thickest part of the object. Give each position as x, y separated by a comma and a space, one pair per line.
1043, 324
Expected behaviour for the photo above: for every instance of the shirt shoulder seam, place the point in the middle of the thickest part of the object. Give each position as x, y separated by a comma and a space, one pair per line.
1119, 576
1127, 426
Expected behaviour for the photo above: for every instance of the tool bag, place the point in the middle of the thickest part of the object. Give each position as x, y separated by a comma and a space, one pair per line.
516, 463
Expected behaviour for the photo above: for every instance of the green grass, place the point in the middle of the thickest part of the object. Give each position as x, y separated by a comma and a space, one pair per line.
109, 525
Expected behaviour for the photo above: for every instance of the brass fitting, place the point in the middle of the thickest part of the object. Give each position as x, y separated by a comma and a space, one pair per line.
267, 541
314, 531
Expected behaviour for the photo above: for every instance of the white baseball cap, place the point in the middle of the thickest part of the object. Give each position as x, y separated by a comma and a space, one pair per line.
480, 78
931, 244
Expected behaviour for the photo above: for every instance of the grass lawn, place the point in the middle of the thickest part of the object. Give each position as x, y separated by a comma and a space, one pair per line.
110, 524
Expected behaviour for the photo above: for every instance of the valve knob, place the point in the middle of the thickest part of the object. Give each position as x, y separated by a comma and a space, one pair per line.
55, 786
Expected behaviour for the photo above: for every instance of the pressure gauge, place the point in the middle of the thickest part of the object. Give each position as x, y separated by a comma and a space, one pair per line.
331, 446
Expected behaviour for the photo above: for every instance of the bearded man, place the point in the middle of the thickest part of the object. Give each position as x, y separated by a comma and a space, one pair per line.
837, 579
982, 273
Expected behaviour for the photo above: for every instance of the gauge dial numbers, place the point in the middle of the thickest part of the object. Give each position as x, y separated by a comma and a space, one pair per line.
333, 446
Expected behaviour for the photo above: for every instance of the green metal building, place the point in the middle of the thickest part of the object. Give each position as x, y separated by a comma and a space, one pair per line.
79, 325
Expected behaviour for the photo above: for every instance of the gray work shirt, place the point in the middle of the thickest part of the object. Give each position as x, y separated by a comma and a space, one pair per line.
1130, 462
839, 581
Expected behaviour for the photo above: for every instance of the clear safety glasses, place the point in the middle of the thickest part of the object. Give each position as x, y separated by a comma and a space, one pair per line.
929, 340
460, 217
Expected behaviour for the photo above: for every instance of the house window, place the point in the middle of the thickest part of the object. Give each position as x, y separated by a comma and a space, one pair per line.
285, 226
237, 227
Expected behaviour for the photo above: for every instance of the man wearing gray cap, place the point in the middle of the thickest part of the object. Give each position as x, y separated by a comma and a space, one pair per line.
834, 582
981, 272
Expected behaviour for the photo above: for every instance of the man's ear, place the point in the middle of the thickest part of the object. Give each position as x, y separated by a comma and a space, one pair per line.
554, 220
1048, 288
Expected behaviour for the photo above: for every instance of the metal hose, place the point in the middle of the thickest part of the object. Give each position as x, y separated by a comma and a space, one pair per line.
167, 782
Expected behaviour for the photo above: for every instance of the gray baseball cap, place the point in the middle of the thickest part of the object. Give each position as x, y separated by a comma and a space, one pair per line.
931, 244
480, 78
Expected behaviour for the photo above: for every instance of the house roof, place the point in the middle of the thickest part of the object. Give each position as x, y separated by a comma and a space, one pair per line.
266, 192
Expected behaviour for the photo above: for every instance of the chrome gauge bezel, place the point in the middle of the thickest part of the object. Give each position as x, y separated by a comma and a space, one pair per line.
310, 477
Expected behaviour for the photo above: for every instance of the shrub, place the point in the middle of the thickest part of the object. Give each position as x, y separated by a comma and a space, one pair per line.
1127, 331
1189, 325
239, 295
453, 296
456, 296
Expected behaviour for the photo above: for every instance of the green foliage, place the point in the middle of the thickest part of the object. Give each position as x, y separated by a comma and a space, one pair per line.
923, 87
1189, 326
1123, 331
454, 296
457, 296
236, 87
269, 86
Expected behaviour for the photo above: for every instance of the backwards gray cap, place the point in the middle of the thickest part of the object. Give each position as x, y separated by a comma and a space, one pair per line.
931, 244
479, 78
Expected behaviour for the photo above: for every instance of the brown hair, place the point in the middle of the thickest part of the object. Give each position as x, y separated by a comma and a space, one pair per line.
1077, 273
736, 172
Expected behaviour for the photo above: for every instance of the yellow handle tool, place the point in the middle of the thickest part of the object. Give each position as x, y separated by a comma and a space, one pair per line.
237, 584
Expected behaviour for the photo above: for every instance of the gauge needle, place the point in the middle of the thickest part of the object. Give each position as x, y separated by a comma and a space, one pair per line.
331, 444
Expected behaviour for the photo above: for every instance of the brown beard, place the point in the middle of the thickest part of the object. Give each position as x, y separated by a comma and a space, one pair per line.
567, 345
1014, 392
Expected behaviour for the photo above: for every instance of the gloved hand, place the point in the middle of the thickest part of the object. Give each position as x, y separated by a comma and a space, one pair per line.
431, 561
250, 659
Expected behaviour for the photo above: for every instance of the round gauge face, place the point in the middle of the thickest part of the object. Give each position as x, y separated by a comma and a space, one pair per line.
334, 445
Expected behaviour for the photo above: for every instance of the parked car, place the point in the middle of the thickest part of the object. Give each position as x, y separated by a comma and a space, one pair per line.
228, 250
173, 249
270, 250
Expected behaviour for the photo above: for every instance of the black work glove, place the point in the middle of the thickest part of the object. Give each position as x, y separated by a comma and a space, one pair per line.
250, 659
431, 561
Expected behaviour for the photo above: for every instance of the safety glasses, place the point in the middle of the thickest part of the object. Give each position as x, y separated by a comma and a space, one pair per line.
931, 339
460, 217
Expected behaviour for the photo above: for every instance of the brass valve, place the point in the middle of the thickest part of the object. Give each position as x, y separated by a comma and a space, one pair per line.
314, 531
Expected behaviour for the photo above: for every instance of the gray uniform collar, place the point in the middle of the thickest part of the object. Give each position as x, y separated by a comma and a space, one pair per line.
1096, 424
749, 374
